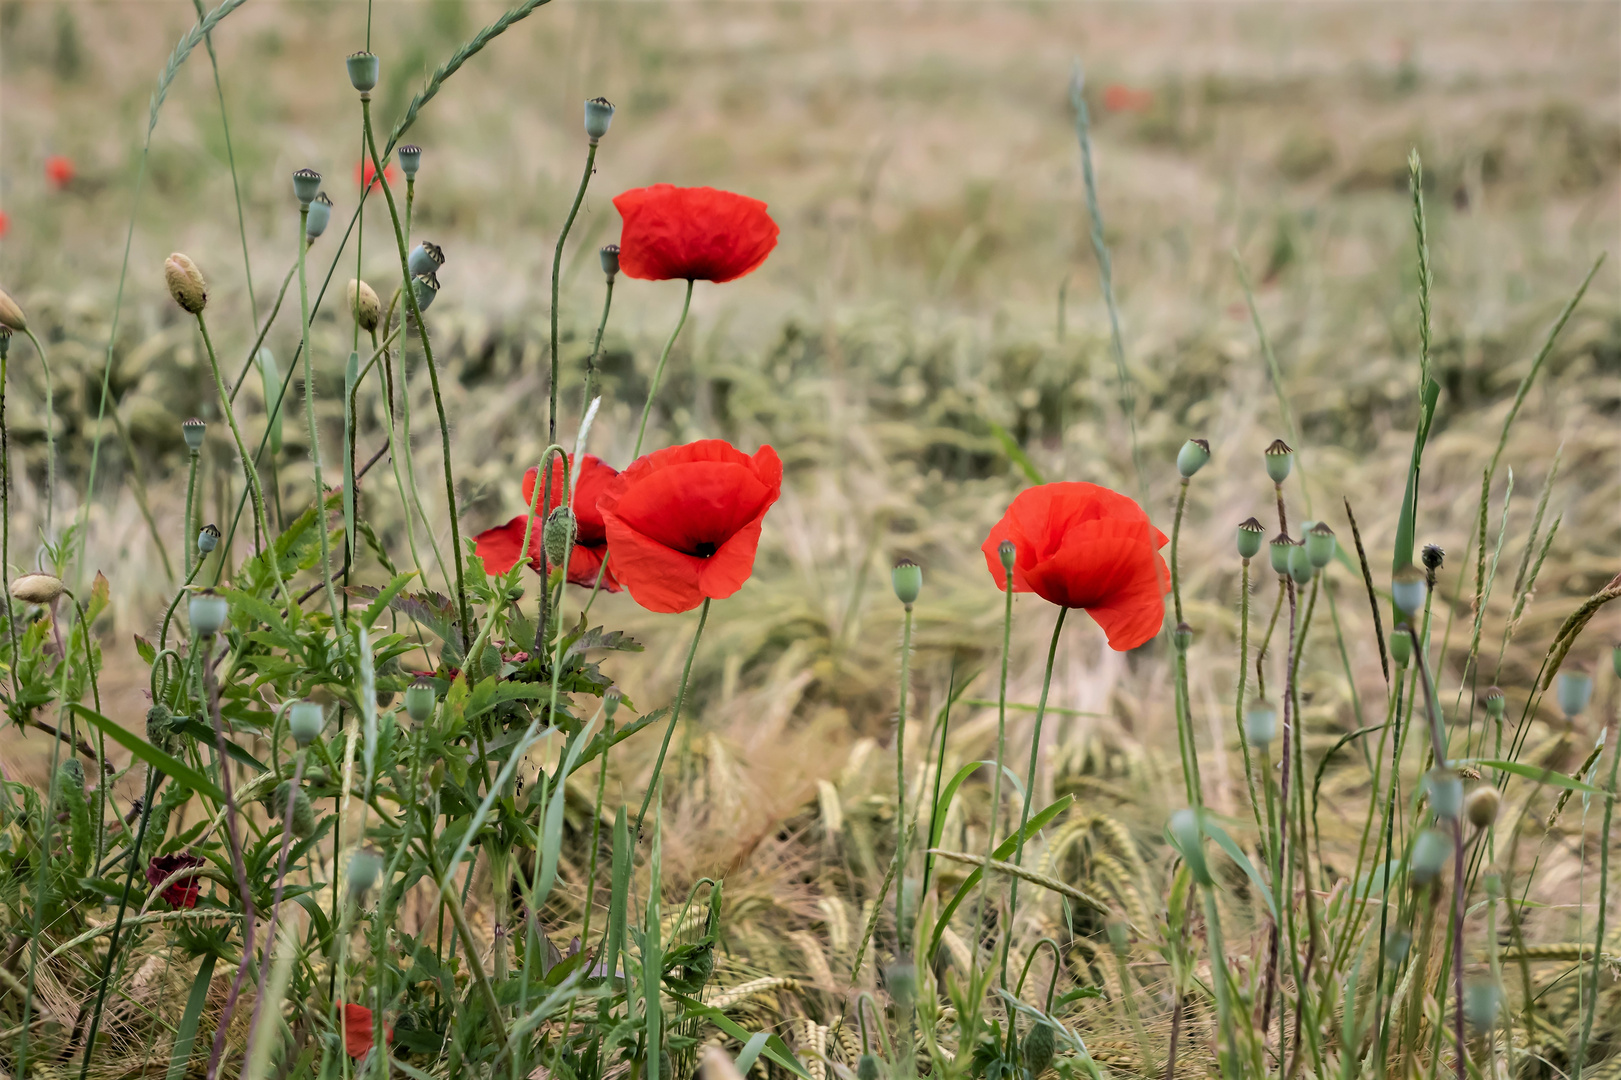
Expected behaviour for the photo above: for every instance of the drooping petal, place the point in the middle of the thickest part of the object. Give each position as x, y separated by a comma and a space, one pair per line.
501, 547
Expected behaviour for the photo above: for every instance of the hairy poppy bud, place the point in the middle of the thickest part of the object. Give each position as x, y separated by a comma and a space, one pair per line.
160, 728
1446, 792
1495, 703
11, 316
315, 222
1574, 690
365, 866
208, 611
1300, 567
305, 719
558, 535
1038, 1049
1182, 637
306, 185
1407, 589
1432, 557
611, 700
1320, 544
1189, 837
1007, 552
900, 978
419, 699
426, 258
424, 287
37, 588
410, 156
1192, 457
293, 807
867, 1068
1481, 999
1279, 460
208, 538
1281, 548
193, 431
364, 304
610, 260
363, 70
1260, 723
907, 577
1250, 533
1430, 853
185, 283
599, 113
1481, 806
1401, 647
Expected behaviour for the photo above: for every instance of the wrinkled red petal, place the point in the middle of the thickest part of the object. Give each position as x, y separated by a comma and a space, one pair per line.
692, 233
183, 893
594, 476
501, 547
357, 1030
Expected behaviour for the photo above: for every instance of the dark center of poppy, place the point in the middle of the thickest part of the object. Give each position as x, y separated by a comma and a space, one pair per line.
704, 549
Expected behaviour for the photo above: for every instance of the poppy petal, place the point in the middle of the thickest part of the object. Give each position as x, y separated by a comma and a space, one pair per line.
696, 233
501, 547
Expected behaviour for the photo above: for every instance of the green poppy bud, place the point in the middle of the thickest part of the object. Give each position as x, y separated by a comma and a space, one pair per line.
305, 719
1401, 647
1300, 567
193, 431
426, 258
900, 978
1282, 547
365, 867
1430, 851
315, 222
1574, 690
208, 538
1008, 553
306, 185
363, 70
295, 808
420, 699
410, 156
185, 283
1189, 837
559, 535
1192, 457
907, 578
867, 1068
11, 316
1260, 723
1320, 544
424, 287
1280, 459
1250, 533
1446, 792
599, 113
1495, 703
611, 700
208, 611
1038, 1049
610, 260
1481, 999
1407, 588
1182, 637
1482, 805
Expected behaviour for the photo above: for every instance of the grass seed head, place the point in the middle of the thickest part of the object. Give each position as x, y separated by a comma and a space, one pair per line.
37, 588
11, 316
1192, 457
599, 113
185, 283
363, 70
1280, 459
365, 305
907, 577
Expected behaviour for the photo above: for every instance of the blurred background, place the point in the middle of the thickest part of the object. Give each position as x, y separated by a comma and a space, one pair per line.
935, 283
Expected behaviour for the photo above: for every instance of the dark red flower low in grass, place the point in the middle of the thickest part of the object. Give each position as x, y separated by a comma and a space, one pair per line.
684, 523
366, 174
59, 171
358, 1030
183, 893
1084, 546
695, 234
499, 547
1117, 97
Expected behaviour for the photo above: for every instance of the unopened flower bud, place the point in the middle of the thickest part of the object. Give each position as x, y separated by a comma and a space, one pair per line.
1280, 549
1481, 1000
1430, 851
1574, 690
1320, 544
1038, 1048
1008, 552
1279, 460
208, 538
410, 156
1250, 533
610, 260
315, 222
363, 69
900, 979
193, 431
1407, 590
37, 588
426, 258
867, 1068
1189, 837
558, 535
1481, 806
305, 719
364, 304
1495, 703
1192, 457
420, 699
599, 113
185, 283
365, 866
424, 287
1182, 637
611, 699
306, 185
1260, 723
1300, 567
1432, 556
1401, 646
1445, 789
11, 316
907, 577
208, 611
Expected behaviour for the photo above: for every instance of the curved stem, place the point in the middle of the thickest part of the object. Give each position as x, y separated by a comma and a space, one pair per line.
900, 784
557, 269
187, 536
658, 372
675, 716
315, 431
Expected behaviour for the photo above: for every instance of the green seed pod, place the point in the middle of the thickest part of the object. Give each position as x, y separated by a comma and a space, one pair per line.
558, 536
599, 113
1182, 637
208, 538
1407, 588
1250, 533
365, 866
867, 1068
1481, 999
1260, 723
907, 577
1482, 805
363, 70
1430, 851
160, 728
1401, 647
610, 260
420, 699
1320, 544
1300, 567
1038, 1049
611, 700
489, 662
426, 258
1189, 837
1495, 703
1008, 553
1445, 789
11, 316
315, 222
1280, 459
410, 156
186, 284
305, 720
1574, 690
301, 822
306, 185
193, 431
1281, 548
37, 588
424, 287
208, 611
1192, 457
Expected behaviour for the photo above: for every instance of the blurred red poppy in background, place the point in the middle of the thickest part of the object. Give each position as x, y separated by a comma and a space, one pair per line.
1117, 97
5, 223
695, 234
59, 171
183, 893
499, 547
1084, 546
357, 1030
684, 523
366, 174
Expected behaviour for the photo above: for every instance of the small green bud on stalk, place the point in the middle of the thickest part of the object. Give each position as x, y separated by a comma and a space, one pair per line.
193, 431
295, 808
907, 577
208, 611
1320, 544
1495, 703
185, 283
1260, 723
610, 260
1481, 999
1300, 566
11, 316
558, 535
1008, 553
1482, 805
1280, 460
363, 70
424, 287
1193, 456
420, 699
305, 719
611, 700
37, 588
1401, 646
365, 867
306, 185
1189, 838
599, 113
1446, 793
1407, 590
867, 1068
1574, 690
1182, 637
208, 538
1250, 534
320, 215
1281, 549
425, 258
160, 729
1430, 851
900, 978
410, 156
365, 305
1038, 1049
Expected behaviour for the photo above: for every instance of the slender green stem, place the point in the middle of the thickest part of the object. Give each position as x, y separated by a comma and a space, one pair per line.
900, 783
675, 716
50, 434
658, 372
1603, 899
1176, 538
557, 272
264, 331
596, 347
1238, 694
315, 430
188, 534
5, 515
995, 816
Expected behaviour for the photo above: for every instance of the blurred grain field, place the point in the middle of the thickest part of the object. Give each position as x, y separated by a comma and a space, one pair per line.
935, 278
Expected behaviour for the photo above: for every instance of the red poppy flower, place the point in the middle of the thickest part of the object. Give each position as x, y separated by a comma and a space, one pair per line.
692, 233
1120, 98
357, 1030
5, 223
366, 174
684, 523
1084, 546
183, 893
59, 171
498, 547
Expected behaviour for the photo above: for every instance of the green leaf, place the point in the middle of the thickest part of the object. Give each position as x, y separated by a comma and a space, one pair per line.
1236, 853
775, 1049
1541, 776
380, 600
146, 650
950, 793
751, 1051
179, 770
551, 841
1003, 850
1011, 447
187, 1035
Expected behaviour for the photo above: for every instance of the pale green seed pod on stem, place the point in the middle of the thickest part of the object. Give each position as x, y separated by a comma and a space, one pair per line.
305, 719
186, 284
599, 113
320, 215
1280, 550
1320, 544
306, 185
1193, 456
363, 70
420, 699
208, 538
1574, 690
1260, 723
1407, 590
1250, 535
193, 431
1430, 851
907, 578
410, 156
207, 611
1280, 460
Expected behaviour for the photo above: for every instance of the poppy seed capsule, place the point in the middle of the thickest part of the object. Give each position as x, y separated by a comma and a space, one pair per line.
907, 577
1008, 552
1495, 703
37, 588
365, 866
1481, 806
1280, 459
1189, 839
1261, 723
1407, 590
1300, 564
424, 287
363, 70
559, 535
1280, 550
611, 700
1192, 457
610, 260
208, 611
185, 283
305, 719
193, 431
11, 316
426, 258
410, 156
1182, 636
1432, 556
365, 305
1250, 533
419, 699
1446, 793
1481, 999
320, 215
867, 1068
306, 185
1574, 690
1320, 544
1401, 647
599, 113
1430, 853
208, 538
